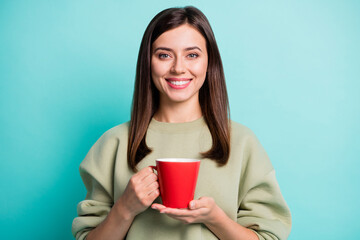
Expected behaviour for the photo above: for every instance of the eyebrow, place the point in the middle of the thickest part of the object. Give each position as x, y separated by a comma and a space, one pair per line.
170, 50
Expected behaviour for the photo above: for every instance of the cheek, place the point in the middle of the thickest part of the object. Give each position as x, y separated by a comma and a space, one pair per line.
154, 69
200, 70
158, 69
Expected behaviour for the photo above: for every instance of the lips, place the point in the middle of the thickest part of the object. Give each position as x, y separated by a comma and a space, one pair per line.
178, 83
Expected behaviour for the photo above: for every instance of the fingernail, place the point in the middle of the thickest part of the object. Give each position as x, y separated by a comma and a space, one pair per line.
192, 205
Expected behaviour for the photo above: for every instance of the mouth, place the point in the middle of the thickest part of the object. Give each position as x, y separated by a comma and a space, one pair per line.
178, 83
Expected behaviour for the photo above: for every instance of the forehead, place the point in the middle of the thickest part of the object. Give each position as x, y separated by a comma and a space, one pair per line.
181, 37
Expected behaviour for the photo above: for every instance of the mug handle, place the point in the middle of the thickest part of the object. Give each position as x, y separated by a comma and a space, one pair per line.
155, 168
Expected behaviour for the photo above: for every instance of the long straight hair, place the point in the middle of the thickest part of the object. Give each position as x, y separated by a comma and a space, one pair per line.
213, 96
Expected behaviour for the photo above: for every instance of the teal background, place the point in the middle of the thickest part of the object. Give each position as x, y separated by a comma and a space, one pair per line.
67, 71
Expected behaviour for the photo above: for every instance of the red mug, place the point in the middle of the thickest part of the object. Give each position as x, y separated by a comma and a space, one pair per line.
177, 180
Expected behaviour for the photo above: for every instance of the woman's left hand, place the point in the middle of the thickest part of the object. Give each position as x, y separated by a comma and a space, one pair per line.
204, 210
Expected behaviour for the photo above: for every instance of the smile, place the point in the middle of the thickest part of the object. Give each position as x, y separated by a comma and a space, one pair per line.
178, 83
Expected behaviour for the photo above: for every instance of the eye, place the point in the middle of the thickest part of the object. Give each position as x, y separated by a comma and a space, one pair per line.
193, 55
163, 55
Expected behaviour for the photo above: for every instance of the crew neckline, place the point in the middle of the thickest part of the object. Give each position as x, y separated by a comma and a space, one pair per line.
191, 126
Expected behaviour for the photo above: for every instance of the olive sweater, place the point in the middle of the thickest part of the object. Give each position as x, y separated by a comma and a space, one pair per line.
245, 188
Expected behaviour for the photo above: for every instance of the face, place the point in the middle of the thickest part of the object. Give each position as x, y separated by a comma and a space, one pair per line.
178, 64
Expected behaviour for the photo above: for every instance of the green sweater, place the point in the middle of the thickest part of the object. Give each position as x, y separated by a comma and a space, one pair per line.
245, 188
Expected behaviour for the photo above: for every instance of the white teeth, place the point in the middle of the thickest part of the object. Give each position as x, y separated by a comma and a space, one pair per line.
179, 83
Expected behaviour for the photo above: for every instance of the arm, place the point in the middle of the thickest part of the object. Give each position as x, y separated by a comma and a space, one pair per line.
140, 192
225, 228
98, 215
262, 207
115, 226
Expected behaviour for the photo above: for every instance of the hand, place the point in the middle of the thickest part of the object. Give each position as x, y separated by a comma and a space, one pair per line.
204, 210
140, 192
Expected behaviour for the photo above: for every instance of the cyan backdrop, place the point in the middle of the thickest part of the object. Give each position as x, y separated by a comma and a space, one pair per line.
67, 73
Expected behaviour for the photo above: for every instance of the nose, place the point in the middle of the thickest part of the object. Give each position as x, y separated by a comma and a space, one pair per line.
178, 66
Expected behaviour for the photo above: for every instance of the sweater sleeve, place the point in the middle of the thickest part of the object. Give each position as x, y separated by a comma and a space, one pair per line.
96, 171
262, 207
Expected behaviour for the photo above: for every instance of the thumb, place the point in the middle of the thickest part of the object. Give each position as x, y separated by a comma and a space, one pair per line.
202, 202
194, 204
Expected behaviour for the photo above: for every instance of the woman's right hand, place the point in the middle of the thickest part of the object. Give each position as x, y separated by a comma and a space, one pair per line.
141, 191
139, 194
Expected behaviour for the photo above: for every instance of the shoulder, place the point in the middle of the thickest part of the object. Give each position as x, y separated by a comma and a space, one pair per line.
120, 131
112, 138
244, 140
104, 149
241, 132
244, 135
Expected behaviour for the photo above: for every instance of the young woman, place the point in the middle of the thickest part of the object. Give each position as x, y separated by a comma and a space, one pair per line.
180, 109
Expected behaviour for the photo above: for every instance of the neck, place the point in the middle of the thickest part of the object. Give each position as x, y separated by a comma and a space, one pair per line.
178, 112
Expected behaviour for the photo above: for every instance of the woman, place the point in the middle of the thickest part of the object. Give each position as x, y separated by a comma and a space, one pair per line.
180, 109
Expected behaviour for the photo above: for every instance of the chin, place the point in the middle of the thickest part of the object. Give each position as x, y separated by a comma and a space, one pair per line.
178, 100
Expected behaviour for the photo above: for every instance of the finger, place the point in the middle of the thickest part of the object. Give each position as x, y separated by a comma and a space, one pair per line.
149, 198
196, 204
152, 187
139, 176
180, 217
153, 195
202, 202
184, 212
150, 178
157, 206
145, 172
150, 184
177, 212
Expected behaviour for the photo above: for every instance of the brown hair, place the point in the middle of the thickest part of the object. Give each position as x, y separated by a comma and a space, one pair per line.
212, 95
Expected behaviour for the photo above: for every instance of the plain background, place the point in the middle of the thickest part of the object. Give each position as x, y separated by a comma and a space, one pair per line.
67, 71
